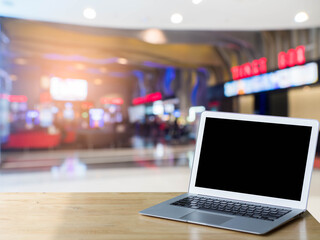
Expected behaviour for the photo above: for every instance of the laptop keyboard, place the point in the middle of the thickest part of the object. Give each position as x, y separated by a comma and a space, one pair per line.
231, 207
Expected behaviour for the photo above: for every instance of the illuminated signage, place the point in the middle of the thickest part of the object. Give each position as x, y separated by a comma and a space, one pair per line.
257, 67
96, 117
280, 79
14, 98
86, 105
115, 100
32, 117
152, 97
292, 57
45, 97
68, 89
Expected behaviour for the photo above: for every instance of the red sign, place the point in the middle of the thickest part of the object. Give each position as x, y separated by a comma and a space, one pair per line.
14, 98
256, 67
87, 105
294, 56
152, 97
138, 100
115, 100
45, 97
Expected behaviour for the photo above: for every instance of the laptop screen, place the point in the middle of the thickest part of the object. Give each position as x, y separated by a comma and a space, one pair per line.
265, 159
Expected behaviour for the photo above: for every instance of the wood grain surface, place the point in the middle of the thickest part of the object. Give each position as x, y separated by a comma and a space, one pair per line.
115, 216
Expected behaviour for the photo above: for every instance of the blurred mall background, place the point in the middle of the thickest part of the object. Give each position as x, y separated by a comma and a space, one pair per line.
106, 95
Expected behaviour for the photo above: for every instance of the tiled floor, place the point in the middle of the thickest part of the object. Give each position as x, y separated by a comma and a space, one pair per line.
160, 169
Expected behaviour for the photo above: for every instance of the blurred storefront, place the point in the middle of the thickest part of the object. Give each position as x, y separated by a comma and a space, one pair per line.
72, 87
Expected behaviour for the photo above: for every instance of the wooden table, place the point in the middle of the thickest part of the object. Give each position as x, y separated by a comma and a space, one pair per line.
75, 216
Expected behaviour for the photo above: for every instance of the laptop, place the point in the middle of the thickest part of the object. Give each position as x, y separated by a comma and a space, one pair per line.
250, 173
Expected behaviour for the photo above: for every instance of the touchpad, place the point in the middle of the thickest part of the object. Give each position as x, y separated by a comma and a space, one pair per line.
206, 218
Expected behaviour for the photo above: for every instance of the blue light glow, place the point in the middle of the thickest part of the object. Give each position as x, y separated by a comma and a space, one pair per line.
280, 79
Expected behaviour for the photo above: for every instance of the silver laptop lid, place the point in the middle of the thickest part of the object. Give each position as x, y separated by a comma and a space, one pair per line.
254, 158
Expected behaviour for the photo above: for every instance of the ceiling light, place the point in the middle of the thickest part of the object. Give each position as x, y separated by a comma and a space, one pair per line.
153, 36
196, 1
176, 18
301, 17
89, 13
122, 61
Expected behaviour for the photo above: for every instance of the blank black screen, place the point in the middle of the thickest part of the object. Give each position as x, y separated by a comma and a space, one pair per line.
264, 159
